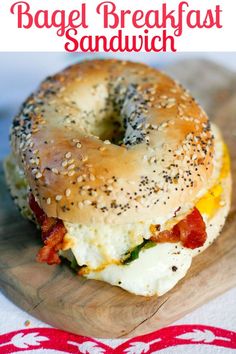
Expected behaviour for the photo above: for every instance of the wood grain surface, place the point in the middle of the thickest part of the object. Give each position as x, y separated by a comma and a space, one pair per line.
55, 295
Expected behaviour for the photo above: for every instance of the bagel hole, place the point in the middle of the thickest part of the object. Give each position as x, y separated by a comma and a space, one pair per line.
109, 127
117, 116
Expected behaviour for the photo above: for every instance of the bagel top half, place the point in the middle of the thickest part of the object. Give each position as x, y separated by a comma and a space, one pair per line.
113, 142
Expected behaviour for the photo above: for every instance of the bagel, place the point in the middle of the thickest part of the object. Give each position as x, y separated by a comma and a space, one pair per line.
122, 168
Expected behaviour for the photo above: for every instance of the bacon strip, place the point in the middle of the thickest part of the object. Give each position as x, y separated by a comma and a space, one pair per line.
191, 231
48, 255
53, 232
38, 212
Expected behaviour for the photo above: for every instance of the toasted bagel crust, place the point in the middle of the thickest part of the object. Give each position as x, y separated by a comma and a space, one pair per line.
165, 160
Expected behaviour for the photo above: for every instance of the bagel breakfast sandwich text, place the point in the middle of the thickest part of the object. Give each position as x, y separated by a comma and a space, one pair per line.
118, 29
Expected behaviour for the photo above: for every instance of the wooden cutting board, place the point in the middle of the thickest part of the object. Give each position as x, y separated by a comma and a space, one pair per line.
55, 295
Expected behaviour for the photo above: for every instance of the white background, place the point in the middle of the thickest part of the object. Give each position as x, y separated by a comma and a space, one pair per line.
14, 39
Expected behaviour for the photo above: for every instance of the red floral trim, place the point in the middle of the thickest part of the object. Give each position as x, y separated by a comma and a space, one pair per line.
50, 338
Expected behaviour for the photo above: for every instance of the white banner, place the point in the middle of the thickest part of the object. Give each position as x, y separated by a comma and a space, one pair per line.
117, 25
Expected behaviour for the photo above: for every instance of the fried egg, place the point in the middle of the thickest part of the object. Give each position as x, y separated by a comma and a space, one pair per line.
101, 247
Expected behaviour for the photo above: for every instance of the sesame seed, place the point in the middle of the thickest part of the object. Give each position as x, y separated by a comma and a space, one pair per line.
164, 125
78, 145
71, 167
102, 148
152, 159
79, 179
71, 173
85, 187
70, 161
27, 142
170, 105
55, 170
38, 175
49, 201
68, 155
58, 197
107, 142
80, 205
145, 157
87, 202
85, 158
68, 192
154, 126
64, 163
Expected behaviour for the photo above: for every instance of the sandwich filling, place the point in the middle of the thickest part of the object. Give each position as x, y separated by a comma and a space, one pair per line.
146, 258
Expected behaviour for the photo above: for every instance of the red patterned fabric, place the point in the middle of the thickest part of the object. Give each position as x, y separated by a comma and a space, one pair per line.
55, 339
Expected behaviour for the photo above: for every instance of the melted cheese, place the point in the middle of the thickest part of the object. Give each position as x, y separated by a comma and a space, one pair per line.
210, 202
225, 170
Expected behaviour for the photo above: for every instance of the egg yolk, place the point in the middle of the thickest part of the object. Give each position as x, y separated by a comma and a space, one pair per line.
211, 201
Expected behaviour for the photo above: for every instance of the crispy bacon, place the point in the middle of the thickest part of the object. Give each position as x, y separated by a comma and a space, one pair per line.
38, 212
165, 236
48, 255
46, 227
53, 232
191, 231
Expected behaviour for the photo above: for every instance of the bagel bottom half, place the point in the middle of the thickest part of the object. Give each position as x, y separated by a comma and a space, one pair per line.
156, 268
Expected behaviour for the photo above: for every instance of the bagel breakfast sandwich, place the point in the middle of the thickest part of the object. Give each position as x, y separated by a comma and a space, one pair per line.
123, 173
